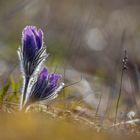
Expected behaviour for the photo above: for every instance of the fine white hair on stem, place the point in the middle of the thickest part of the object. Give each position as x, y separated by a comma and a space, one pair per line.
38, 64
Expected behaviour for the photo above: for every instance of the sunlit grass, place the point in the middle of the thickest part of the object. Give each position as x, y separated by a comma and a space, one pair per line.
35, 126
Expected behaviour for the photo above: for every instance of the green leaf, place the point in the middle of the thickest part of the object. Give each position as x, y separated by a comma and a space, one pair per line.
15, 87
4, 91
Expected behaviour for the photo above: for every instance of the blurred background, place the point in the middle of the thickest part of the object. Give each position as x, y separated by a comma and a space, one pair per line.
84, 38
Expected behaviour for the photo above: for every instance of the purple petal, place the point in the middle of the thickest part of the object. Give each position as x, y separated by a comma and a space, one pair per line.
54, 77
32, 40
28, 38
44, 74
39, 37
40, 33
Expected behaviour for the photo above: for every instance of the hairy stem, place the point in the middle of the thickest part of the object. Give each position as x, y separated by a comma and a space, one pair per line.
23, 97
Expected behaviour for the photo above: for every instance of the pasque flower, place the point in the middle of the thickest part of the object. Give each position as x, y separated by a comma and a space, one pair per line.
33, 53
46, 87
32, 41
37, 85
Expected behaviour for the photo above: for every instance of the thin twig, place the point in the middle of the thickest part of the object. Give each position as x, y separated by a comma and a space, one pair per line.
124, 67
71, 84
117, 105
97, 109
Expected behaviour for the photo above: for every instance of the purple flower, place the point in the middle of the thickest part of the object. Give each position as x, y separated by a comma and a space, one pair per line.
32, 41
46, 87
32, 54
